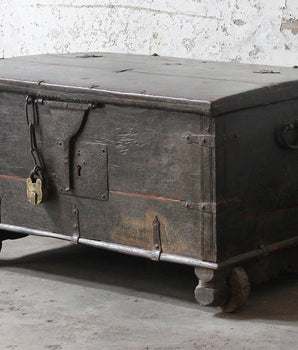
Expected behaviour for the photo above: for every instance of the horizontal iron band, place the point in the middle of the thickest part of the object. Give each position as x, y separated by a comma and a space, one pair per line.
135, 99
121, 248
34, 232
265, 250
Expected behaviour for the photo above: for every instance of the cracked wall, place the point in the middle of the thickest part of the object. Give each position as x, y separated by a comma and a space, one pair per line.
254, 31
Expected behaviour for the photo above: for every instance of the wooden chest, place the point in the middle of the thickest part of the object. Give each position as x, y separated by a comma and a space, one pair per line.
178, 160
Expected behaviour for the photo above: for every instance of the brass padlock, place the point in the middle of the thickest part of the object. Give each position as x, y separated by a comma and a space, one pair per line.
36, 190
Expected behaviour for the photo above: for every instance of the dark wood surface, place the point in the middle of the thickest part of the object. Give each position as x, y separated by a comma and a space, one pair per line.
144, 110
256, 179
152, 171
209, 88
147, 149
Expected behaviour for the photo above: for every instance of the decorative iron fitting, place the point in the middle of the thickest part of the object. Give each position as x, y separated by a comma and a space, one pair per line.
204, 140
76, 225
68, 118
156, 252
203, 207
66, 105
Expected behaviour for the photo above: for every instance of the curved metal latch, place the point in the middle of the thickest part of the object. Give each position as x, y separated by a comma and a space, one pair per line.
68, 118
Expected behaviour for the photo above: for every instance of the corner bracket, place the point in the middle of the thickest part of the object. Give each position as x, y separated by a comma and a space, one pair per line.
205, 207
204, 140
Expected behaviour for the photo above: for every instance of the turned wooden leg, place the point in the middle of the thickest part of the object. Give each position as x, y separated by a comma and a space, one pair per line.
227, 288
239, 289
212, 289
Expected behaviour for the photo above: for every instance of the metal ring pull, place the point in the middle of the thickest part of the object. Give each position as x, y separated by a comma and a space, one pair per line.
283, 135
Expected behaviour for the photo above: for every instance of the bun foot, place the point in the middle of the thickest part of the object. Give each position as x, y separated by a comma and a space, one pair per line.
239, 290
212, 289
227, 289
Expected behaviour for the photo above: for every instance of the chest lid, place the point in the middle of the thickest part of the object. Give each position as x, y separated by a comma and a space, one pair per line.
203, 87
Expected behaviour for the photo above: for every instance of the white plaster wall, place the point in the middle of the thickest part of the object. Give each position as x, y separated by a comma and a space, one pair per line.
255, 31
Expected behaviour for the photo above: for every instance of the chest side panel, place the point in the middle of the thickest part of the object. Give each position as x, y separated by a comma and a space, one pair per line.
153, 163
257, 191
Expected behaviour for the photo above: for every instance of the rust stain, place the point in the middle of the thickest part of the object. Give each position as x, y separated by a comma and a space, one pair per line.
12, 177
271, 213
278, 210
129, 193
123, 235
17, 178
138, 231
145, 196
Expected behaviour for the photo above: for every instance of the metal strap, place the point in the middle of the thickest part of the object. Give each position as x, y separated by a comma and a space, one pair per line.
31, 119
204, 140
76, 225
201, 206
156, 252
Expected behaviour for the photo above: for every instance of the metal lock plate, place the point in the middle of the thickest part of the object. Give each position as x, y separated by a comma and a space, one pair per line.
89, 171
36, 192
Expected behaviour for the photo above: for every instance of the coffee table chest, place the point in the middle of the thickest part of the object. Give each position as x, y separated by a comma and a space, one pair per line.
171, 159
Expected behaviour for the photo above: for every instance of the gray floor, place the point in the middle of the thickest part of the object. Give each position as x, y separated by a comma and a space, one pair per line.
58, 296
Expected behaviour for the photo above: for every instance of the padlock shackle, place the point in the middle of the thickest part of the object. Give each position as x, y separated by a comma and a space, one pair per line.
36, 173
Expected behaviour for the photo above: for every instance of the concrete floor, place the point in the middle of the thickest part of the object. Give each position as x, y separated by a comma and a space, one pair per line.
58, 296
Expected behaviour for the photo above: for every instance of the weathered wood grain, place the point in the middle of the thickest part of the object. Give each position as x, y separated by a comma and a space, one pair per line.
256, 179
152, 170
147, 150
125, 219
211, 88
213, 202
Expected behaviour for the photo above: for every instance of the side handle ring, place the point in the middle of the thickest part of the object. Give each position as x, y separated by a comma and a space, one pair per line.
283, 135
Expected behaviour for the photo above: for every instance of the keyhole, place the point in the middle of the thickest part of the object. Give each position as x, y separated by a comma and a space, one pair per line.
79, 168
